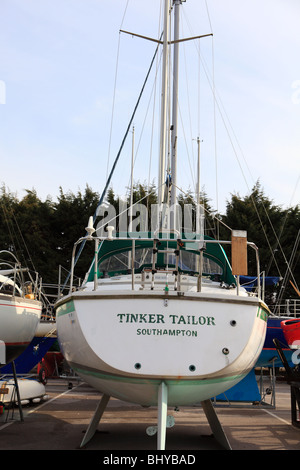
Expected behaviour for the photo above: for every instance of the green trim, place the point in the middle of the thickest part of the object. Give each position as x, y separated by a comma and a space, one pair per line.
65, 308
213, 251
263, 314
147, 380
121, 294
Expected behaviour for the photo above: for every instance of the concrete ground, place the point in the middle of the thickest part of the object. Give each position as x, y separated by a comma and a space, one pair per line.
60, 423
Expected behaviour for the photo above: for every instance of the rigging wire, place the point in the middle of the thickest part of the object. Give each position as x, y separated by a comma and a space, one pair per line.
114, 93
227, 126
189, 114
214, 102
205, 209
6, 218
8, 215
152, 94
117, 157
283, 225
126, 133
212, 86
288, 273
218, 104
154, 101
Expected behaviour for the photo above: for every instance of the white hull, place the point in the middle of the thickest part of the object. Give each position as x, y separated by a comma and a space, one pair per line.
128, 342
46, 329
30, 390
19, 318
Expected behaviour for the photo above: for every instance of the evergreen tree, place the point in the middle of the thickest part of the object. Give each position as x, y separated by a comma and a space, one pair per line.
70, 218
271, 228
42, 233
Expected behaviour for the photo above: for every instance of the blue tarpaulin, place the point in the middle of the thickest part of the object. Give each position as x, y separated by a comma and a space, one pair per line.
251, 281
246, 390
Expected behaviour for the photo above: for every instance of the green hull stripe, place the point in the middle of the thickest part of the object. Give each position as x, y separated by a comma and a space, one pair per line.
134, 380
67, 307
263, 314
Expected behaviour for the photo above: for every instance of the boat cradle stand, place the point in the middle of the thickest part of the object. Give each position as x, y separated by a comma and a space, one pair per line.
293, 379
207, 406
16, 392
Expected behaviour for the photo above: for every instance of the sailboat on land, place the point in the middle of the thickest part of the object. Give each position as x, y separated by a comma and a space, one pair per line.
172, 326
20, 308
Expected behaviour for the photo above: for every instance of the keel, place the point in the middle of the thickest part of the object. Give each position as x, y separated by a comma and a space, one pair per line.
17, 391
215, 424
95, 420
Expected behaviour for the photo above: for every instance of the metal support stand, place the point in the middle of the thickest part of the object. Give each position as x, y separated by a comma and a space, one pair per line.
17, 391
162, 420
215, 424
295, 403
269, 390
293, 379
208, 409
162, 416
95, 420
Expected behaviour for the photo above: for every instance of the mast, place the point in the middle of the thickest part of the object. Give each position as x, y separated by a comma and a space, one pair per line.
198, 225
163, 130
175, 104
131, 182
198, 173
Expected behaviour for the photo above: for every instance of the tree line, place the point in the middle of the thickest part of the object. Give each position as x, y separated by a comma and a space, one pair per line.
42, 233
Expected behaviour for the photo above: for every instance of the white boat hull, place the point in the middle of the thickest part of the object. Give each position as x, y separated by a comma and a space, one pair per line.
19, 318
29, 390
45, 329
127, 343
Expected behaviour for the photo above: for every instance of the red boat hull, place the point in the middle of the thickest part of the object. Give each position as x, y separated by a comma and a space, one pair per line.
291, 331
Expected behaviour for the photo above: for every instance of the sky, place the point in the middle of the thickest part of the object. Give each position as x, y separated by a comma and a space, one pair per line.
69, 81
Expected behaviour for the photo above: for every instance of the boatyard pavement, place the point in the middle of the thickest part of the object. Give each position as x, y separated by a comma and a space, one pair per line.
60, 422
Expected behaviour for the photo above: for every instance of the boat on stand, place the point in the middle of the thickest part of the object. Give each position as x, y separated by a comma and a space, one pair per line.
20, 308
20, 313
44, 338
176, 328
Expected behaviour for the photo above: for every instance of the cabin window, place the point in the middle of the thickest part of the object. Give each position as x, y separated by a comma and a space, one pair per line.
122, 261
189, 261
6, 288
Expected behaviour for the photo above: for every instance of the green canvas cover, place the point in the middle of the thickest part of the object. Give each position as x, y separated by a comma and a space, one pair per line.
212, 251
